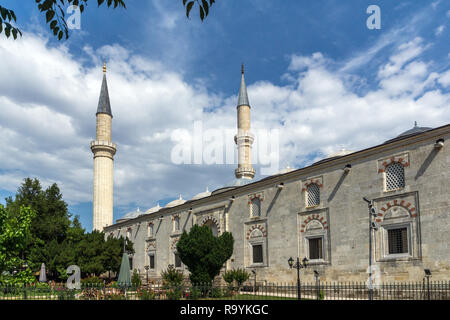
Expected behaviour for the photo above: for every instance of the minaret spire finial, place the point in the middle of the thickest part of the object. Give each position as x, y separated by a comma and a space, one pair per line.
242, 68
104, 67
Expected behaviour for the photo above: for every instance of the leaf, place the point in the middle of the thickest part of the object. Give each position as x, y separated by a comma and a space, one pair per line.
205, 7
188, 8
49, 15
202, 13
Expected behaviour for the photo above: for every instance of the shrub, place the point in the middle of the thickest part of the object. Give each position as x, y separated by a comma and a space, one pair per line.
228, 277
174, 294
146, 294
240, 275
135, 279
92, 282
172, 277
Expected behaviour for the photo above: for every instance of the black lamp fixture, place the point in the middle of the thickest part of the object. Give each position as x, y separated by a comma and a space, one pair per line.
439, 143
347, 168
298, 266
427, 272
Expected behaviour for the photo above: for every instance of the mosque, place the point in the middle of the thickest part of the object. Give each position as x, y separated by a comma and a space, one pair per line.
316, 212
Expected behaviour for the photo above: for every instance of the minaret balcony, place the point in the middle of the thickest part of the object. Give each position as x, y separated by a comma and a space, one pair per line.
105, 146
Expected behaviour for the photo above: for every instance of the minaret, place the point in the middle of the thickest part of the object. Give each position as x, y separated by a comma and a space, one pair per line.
244, 138
104, 151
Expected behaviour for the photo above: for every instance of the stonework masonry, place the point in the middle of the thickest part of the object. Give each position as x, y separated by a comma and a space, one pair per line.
337, 225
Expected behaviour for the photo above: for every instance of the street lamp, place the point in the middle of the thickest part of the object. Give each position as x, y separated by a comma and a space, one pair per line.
428, 275
372, 226
146, 270
316, 275
298, 266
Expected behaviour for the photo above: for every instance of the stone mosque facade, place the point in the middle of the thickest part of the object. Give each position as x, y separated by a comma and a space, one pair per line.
316, 212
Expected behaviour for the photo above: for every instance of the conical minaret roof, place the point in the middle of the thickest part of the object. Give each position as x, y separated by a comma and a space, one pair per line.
243, 97
104, 105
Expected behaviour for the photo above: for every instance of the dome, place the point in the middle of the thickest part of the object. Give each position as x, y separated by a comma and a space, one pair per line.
340, 153
411, 132
202, 195
131, 215
154, 209
286, 170
175, 203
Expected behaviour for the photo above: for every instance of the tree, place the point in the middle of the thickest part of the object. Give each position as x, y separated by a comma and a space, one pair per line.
203, 253
54, 11
14, 231
59, 241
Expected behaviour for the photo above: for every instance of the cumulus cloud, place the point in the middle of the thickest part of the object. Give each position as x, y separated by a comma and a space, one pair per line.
49, 99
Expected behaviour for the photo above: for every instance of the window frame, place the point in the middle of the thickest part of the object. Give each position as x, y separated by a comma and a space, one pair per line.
385, 238
308, 205
386, 172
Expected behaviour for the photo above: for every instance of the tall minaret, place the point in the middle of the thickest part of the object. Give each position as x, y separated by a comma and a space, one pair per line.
104, 151
244, 138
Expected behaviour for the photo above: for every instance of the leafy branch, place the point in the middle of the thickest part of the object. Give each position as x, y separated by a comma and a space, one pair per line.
203, 7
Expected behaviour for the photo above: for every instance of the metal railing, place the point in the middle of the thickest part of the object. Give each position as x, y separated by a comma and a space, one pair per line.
434, 290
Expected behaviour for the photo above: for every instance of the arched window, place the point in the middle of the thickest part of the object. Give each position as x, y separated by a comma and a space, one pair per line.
129, 233
213, 227
395, 176
256, 207
313, 193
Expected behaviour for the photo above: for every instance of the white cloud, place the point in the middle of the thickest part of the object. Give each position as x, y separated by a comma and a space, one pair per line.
439, 30
49, 99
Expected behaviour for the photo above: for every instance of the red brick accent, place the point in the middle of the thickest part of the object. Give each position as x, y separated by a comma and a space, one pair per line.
408, 205
380, 170
384, 163
406, 164
326, 227
378, 220
395, 202
320, 185
400, 159
303, 189
303, 225
414, 215
412, 210
383, 209
402, 203
321, 218
324, 222
302, 231
392, 159
380, 214
388, 205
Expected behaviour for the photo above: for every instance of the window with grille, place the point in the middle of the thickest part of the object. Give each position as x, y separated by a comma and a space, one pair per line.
313, 191
177, 261
395, 176
258, 253
315, 248
398, 240
256, 207
151, 261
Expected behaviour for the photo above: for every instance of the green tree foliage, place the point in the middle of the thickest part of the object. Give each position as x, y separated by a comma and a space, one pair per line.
240, 276
59, 241
135, 279
14, 232
203, 253
55, 14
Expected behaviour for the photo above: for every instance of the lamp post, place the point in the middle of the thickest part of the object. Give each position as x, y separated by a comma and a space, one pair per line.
316, 275
372, 226
428, 275
298, 266
146, 270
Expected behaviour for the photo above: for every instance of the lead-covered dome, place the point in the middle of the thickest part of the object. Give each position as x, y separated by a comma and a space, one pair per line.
202, 195
154, 209
175, 203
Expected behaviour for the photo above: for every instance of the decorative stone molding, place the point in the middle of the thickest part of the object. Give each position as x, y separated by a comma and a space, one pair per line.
212, 219
151, 245
173, 243
308, 182
256, 227
252, 196
410, 209
403, 159
311, 218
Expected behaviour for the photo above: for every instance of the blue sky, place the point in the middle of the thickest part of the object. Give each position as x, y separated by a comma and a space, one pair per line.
308, 63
